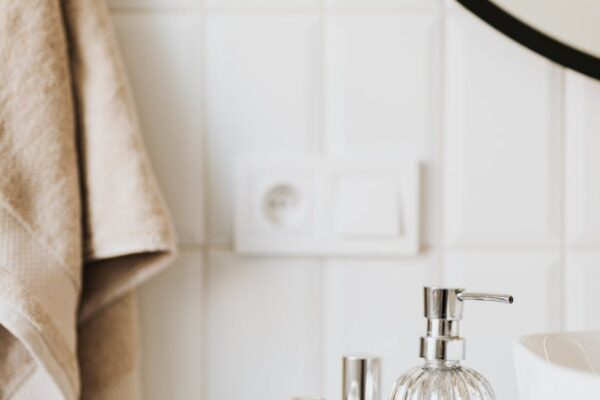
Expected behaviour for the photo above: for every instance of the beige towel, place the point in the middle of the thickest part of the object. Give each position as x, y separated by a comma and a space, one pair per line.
81, 219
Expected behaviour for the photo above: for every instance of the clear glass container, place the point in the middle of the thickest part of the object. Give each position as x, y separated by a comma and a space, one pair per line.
442, 377
442, 380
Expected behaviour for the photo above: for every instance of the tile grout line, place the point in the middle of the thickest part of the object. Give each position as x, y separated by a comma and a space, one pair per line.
323, 140
483, 248
322, 331
264, 12
274, 11
191, 247
321, 151
440, 271
205, 176
133, 10
562, 179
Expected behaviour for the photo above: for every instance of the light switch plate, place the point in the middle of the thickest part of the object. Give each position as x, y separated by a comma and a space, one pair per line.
314, 206
366, 203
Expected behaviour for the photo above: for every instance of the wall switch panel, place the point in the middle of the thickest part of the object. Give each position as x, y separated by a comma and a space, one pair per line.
312, 206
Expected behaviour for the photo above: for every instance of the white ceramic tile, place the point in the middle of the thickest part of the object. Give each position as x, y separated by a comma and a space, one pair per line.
382, 4
264, 4
489, 328
582, 141
502, 139
382, 92
382, 83
155, 4
451, 4
171, 320
262, 96
372, 307
263, 328
582, 285
163, 58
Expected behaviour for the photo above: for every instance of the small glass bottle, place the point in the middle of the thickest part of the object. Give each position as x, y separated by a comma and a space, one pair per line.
442, 377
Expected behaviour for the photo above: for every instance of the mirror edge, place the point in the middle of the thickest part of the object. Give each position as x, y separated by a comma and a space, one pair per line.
533, 39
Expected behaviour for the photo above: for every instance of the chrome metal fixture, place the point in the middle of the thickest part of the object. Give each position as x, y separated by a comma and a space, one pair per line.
361, 378
444, 310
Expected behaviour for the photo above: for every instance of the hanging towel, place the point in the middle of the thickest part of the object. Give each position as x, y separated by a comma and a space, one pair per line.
82, 222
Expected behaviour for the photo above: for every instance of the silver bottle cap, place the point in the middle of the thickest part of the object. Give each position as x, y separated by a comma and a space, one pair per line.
361, 377
444, 310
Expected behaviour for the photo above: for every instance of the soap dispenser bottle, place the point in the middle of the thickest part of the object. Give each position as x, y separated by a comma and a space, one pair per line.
442, 377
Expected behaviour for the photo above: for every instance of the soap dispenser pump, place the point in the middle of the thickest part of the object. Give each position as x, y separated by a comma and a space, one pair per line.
442, 377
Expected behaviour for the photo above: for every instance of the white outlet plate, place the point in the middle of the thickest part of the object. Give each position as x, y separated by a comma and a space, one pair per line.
313, 206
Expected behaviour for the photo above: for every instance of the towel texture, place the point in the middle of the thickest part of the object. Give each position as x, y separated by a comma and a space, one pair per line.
82, 222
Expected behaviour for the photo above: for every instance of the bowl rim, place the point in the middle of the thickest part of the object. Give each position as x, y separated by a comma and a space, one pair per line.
520, 346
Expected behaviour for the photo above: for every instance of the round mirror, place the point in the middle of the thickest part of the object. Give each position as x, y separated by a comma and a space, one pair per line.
565, 31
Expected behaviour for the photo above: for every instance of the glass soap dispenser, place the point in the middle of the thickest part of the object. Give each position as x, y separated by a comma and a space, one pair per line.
442, 377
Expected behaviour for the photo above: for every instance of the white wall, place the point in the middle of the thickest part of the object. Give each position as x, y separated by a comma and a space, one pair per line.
509, 142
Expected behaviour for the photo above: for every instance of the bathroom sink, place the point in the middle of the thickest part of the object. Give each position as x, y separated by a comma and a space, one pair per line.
558, 366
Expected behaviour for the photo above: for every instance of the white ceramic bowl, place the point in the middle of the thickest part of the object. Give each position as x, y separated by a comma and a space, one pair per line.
558, 366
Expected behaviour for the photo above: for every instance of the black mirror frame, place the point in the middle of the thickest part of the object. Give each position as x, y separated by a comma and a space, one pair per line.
533, 38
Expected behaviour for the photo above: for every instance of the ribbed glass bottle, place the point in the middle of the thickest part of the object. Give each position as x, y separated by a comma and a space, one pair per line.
442, 380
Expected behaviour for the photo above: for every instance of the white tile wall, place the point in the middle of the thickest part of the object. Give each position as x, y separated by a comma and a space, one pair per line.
171, 320
508, 149
158, 5
262, 80
369, 308
385, 5
533, 279
452, 4
582, 284
582, 124
381, 101
163, 55
283, 5
263, 325
502, 155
